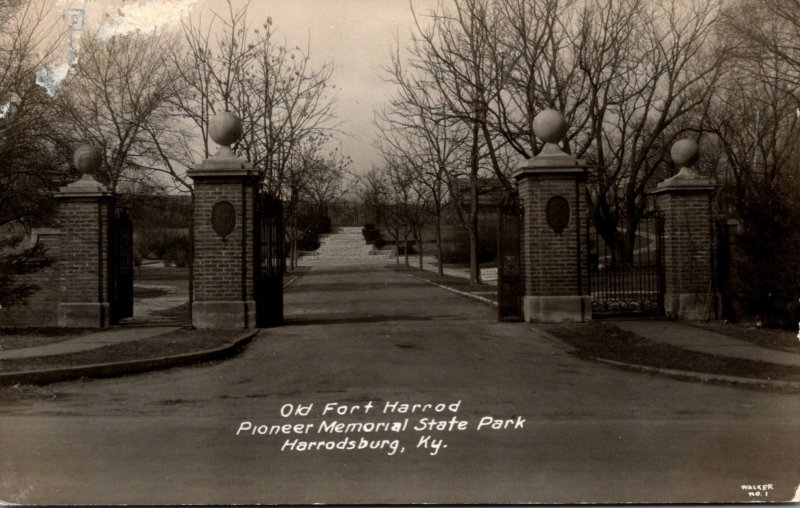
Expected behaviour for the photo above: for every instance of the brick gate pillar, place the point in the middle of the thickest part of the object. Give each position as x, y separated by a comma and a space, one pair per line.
554, 249
225, 191
85, 211
685, 202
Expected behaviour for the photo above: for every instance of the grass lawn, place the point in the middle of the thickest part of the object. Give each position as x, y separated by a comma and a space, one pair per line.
181, 311
177, 342
462, 284
604, 340
140, 292
16, 338
161, 274
784, 340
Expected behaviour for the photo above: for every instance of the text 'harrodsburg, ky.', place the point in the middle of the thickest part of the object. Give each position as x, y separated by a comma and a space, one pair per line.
358, 435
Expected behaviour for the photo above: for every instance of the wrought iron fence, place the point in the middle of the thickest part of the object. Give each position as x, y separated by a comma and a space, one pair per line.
626, 267
120, 256
270, 260
509, 264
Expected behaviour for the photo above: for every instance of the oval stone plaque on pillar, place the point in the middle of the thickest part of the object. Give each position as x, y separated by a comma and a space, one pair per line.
223, 218
558, 213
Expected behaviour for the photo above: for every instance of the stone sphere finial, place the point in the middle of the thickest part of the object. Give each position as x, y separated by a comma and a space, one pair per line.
225, 128
684, 153
87, 159
550, 126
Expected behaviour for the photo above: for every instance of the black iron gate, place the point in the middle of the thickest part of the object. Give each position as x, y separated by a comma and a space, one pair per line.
120, 256
626, 273
721, 269
270, 261
510, 279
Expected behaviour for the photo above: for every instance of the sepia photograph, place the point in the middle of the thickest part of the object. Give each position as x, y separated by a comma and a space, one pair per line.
399, 252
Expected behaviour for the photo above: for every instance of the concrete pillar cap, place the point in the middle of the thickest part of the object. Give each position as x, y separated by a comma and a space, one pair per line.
550, 126
85, 185
225, 129
87, 158
684, 153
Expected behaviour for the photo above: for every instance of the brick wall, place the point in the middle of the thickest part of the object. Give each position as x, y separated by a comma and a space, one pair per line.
220, 267
553, 263
84, 250
687, 241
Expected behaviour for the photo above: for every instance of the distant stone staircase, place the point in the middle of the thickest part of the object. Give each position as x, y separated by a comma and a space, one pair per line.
346, 244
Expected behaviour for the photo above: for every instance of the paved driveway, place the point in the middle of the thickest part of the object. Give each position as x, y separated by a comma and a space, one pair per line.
360, 335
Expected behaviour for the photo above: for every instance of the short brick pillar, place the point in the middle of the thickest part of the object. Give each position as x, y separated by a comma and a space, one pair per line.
225, 192
685, 202
85, 212
551, 189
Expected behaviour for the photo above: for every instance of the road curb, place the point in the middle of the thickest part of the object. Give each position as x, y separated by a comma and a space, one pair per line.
456, 291
674, 373
114, 369
701, 376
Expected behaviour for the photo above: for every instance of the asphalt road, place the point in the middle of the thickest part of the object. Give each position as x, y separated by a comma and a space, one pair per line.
366, 334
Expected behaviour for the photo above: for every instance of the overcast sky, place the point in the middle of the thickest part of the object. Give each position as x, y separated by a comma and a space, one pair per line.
356, 35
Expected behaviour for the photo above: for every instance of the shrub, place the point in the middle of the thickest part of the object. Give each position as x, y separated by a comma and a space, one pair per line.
177, 251
312, 227
455, 252
373, 235
766, 260
370, 232
401, 248
171, 246
307, 242
324, 225
15, 263
456, 248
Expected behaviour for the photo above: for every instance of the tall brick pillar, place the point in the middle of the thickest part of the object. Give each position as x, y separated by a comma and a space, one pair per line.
85, 211
225, 191
685, 201
551, 188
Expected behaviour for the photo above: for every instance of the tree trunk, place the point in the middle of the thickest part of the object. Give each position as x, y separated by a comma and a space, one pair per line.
405, 247
607, 229
439, 240
419, 242
294, 253
293, 247
630, 242
474, 269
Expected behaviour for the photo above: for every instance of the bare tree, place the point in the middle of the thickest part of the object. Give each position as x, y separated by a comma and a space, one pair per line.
380, 193
285, 103
33, 153
117, 98
770, 27
669, 75
414, 124
455, 52
405, 202
755, 122
311, 182
626, 73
